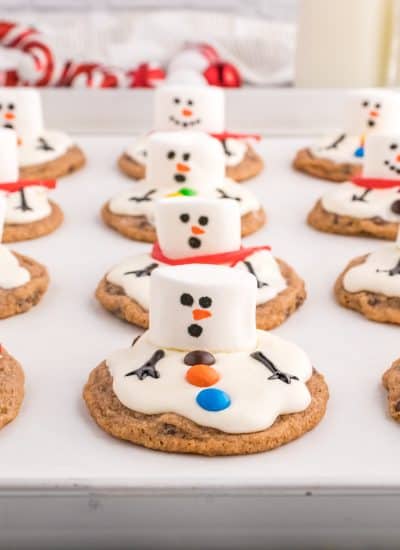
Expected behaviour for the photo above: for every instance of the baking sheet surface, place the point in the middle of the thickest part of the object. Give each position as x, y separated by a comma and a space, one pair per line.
54, 443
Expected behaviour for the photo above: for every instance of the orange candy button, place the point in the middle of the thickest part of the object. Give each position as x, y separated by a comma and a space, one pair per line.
202, 376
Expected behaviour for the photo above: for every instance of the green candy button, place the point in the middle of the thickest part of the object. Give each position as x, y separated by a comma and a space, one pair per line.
187, 192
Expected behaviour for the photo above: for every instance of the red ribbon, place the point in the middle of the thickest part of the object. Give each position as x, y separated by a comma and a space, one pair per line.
13, 186
231, 258
225, 135
375, 183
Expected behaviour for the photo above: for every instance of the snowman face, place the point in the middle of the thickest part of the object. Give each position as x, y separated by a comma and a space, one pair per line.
198, 306
371, 112
7, 111
180, 107
184, 160
200, 310
382, 157
21, 111
188, 227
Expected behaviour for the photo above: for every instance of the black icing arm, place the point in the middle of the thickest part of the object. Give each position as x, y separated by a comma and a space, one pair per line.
24, 206
144, 198
276, 373
335, 143
224, 195
146, 271
149, 368
250, 268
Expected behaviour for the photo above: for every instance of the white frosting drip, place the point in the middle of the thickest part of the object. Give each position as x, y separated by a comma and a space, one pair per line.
137, 288
373, 275
265, 267
342, 152
377, 202
12, 275
36, 200
31, 151
123, 204
236, 147
256, 402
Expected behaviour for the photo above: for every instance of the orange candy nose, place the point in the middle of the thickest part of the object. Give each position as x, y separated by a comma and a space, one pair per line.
182, 167
373, 113
197, 230
9, 116
202, 376
199, 314
398, 158
187, 112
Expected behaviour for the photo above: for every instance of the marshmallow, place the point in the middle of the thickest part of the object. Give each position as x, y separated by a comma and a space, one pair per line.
382, 157
184, 159
8, 156
206, 307
197, 226
22, 110
372, 111
180, 107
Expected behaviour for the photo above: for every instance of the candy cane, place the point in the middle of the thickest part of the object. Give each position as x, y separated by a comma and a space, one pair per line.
29, 41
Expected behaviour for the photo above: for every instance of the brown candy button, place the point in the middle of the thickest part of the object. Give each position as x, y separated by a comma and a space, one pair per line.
396, 207
199, 357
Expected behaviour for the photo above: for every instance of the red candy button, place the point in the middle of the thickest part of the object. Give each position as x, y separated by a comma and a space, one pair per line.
202, 376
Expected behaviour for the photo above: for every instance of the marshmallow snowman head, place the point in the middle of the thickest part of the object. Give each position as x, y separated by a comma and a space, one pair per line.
189, 107
8, 156
203, 307
372, 111
21, 110
190, 227
382, 157
184, 159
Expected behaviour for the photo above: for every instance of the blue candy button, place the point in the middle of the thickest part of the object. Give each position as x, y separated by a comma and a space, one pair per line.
359, 153
213, 399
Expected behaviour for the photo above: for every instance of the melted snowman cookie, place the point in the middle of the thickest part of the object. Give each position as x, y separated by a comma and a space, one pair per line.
206, 231
179, 164
193, 108
371, 285
339, 157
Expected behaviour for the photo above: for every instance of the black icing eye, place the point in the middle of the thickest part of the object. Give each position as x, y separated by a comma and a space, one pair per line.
184, 218
365, 103
187, 299
190, 102
205, 302
186, 156
393, 146
177, 100
11, 106
377, 105
171, 155
1, 106
203, 220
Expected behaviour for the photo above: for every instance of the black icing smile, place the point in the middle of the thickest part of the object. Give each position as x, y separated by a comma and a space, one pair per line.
195, 330
391, 166
194, 242
180, 178
184, 124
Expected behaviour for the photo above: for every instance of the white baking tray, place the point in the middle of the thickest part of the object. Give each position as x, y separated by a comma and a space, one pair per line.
63, 480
